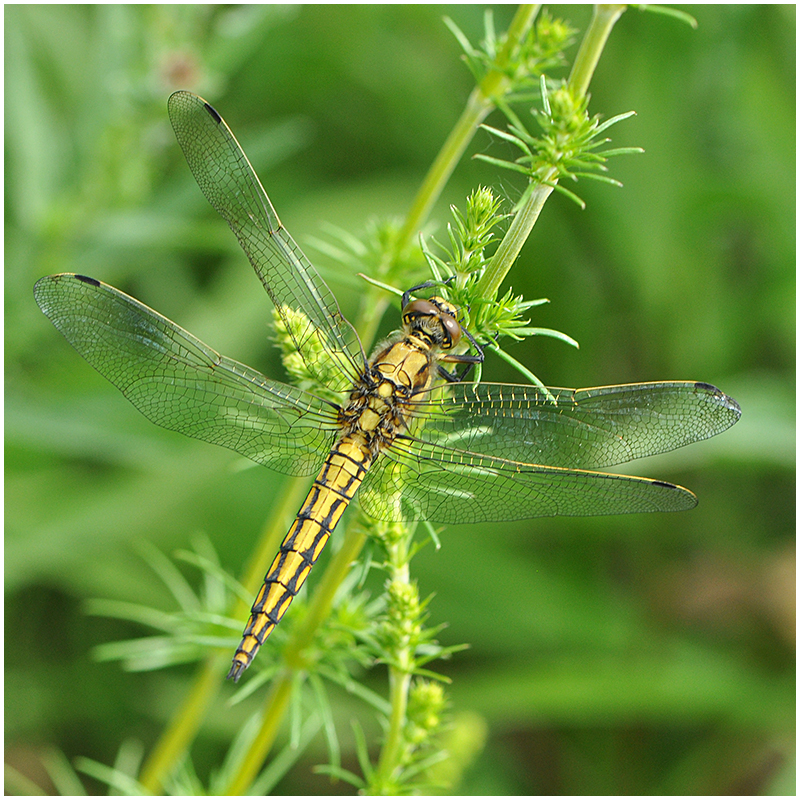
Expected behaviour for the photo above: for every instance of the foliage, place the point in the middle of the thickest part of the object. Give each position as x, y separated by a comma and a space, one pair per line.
607, 656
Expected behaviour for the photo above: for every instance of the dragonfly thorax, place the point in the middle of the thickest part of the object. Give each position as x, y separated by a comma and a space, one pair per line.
400, 368
433, 321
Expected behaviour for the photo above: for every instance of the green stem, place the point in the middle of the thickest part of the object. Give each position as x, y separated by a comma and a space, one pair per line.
603, 19
516, 236
478, 107
277, 702
295, 658
481, 101
185, 724
370, 315
400, 674
586, 60
392, 751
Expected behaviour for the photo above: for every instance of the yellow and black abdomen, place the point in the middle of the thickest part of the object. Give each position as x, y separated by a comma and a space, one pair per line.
337, 482
373, 417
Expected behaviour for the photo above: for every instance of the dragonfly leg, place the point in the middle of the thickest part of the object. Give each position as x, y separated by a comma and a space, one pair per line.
463, 358
455, 377
426, 285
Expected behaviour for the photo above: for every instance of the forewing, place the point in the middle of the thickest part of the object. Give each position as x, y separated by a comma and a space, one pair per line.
415, 480
574, 428
182, 384
230, 184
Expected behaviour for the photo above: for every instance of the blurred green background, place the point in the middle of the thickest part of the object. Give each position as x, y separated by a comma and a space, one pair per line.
623, 655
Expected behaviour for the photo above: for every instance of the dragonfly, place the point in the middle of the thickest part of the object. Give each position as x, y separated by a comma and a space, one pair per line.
473, 452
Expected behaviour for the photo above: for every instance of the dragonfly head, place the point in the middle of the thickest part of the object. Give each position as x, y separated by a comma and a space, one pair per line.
434, 321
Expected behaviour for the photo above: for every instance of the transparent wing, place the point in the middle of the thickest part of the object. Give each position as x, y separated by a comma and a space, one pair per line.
180, 383
419, 480
576, 428
502, 452
226, 178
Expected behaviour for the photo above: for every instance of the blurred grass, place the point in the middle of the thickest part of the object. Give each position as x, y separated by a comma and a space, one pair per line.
621, 655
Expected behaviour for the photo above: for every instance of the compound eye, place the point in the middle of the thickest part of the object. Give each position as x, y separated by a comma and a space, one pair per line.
452, 329
420, 308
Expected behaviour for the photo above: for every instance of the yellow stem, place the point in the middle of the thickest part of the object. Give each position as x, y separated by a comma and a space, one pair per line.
175, 739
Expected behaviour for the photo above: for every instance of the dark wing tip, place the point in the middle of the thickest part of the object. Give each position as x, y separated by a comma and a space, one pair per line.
724, 400
44, 288
213, 112
183, 99
680, 499
665, 484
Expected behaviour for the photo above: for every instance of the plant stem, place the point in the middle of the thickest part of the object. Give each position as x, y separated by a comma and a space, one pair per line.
603, 20
186, 722
516, 236
370, 314
586, 60
399, 683
400, 673
277, 702
479, 104
183, 728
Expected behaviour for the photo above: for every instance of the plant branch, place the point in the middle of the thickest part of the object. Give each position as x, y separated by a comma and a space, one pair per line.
480, 102
603, 20
172, 745
491, 89
586, 60
391, 753
515, 238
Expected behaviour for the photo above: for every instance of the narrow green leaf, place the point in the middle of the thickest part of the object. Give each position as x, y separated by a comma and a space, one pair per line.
280, 765
170, 575
111, 777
